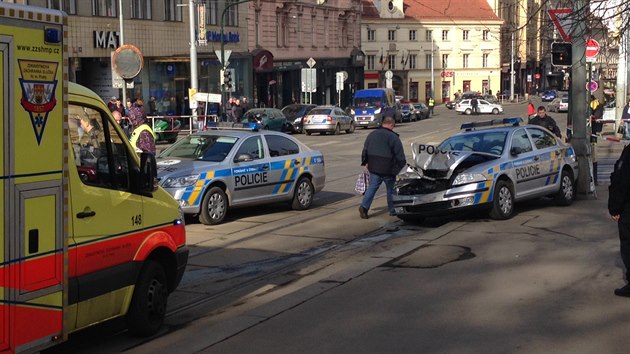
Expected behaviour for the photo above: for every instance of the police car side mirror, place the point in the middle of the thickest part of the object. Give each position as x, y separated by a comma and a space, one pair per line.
515, 151
244, 158
148, 172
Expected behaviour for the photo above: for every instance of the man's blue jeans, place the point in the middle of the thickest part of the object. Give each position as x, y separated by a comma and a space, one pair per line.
375, 183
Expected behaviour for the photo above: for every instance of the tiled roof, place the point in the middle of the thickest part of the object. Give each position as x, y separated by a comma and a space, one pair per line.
436, 10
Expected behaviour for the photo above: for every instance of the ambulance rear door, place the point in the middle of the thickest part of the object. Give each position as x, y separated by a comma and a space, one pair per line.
32, 247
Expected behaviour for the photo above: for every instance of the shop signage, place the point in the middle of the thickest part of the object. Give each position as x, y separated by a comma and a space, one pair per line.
106, 39
447, 73
228, 37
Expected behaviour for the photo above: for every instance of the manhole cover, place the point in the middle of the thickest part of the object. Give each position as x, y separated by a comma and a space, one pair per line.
432, 256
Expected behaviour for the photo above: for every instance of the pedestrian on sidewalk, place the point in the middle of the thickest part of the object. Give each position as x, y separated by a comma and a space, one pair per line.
597, 113
619, 209
531, 110
474, 103
383, 156
625, 115
431, 105
544, 120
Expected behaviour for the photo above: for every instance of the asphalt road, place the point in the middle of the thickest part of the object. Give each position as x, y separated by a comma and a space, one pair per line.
260, 250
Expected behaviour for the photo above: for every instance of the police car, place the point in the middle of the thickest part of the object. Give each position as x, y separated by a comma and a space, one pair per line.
491, 164
211, 171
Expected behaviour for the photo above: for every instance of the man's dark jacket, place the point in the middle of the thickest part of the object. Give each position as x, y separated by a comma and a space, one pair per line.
547, 122
383, 152
619, 189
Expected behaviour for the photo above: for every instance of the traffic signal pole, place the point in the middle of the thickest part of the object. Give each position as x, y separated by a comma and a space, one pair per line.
578, 112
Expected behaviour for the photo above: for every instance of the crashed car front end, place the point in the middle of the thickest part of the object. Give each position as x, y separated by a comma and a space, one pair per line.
444, 182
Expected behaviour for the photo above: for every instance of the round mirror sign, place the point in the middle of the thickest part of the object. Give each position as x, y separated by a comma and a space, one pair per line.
127, 61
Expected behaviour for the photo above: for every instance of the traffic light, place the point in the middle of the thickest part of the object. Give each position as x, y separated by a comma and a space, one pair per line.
561, 54
228, 80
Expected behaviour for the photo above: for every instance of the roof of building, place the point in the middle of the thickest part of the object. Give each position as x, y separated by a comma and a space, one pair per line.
437, 10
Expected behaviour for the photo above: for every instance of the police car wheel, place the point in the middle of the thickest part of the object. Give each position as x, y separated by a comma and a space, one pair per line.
503, 201
495, 111
468, 111
337, 130
148, 304
351, 129
214, 207
566, 194
303, 195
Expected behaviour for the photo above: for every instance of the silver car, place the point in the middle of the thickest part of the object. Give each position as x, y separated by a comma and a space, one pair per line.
328, 119
486, 168
212, 171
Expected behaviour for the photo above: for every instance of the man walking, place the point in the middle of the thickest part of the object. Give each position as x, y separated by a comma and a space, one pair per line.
474, 103
431, 105
383, 157
619, 209
544, 120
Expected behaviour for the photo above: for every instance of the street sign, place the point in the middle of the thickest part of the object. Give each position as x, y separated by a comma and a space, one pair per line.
309, 80
207, 97
311, 62
192, 102
563, 21
388, 83
389, 74
536, 76
226, 54
592, 86
340, 80
592, 50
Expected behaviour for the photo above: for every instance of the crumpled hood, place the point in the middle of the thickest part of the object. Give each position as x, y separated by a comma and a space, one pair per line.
441, 164
176, 167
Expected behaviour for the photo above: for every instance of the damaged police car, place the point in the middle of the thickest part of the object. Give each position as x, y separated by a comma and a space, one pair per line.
491, 164
236, 165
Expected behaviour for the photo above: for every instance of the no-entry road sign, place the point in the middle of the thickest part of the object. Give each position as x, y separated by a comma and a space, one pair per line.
592, 50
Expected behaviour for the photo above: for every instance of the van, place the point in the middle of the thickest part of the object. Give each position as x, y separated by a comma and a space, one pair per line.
87, 235
369, 106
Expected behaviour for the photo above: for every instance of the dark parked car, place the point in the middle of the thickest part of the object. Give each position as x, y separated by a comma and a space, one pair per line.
296, 113
268, 118
422, 111
407, 113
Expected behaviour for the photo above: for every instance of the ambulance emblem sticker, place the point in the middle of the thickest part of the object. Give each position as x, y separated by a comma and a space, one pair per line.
38, 91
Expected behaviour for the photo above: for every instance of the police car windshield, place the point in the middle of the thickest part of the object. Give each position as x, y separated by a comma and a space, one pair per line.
213, 148
491, 142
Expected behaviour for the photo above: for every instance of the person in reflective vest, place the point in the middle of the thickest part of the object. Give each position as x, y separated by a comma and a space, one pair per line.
142, 138
431, 105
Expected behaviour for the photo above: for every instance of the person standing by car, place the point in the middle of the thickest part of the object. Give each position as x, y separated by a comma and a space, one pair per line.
619, 209
383, 156
597, 113
626, 123
474, 103
431, 105
142, 137
543, 120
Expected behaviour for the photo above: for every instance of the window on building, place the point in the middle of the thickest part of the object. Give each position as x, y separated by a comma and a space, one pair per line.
371, 35
370, 62
427, 58
428, 35
326, 32
106, 8
445, 35
257, 26
391, 61
465, 59
466, 35
231, 15
172, 12
444, 61
485, 35
343, 39
69, 6
213, 12
141, 9
391, 35
313, 30
298, 30
412, 35
484, 60
412, 61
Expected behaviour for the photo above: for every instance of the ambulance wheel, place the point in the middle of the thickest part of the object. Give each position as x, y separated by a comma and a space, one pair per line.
148, 304
566, 194
303, 195
214, 207
503, 201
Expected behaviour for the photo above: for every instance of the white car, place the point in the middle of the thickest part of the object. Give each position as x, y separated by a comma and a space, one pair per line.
465, 107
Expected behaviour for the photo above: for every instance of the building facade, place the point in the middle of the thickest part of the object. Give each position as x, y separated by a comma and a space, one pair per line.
433, 48
269, 43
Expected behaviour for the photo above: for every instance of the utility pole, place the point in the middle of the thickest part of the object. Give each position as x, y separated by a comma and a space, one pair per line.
578, 109
512, 71
194, 84
432, 74
622, 68
122, 41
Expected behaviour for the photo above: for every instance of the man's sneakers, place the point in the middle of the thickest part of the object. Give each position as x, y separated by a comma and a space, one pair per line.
624, 291
364, 215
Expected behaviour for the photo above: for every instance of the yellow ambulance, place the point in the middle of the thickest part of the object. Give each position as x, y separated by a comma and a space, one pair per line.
87, 235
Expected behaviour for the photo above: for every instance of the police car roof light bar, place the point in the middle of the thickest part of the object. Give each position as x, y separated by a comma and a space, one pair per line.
254, 127
487, 123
